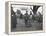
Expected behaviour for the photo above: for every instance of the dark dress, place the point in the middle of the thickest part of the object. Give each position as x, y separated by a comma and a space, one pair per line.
13, 21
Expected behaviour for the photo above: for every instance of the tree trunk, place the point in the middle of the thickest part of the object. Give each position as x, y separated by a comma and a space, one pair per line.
35, 8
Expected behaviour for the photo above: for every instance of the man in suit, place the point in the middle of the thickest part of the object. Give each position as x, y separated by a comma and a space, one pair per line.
26, 18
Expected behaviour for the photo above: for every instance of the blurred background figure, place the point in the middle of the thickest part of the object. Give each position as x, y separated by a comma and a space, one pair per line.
21, 16
13, 18
26, 18
30, 19
40, 20
30, 15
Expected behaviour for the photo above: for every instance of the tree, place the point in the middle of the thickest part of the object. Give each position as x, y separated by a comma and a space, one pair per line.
18, 11
35, 8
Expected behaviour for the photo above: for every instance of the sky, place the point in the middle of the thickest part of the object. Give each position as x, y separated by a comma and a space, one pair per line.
20, 7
